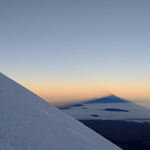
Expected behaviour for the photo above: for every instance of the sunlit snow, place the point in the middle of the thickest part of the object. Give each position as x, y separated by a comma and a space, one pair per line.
27, 122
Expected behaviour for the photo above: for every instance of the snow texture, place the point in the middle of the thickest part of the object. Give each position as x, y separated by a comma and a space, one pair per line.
27, 122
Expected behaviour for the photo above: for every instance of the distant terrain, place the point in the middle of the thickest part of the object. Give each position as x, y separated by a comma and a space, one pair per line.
124, 123
125, 134
115, 109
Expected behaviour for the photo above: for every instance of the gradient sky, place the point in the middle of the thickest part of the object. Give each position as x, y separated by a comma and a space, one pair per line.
76, 49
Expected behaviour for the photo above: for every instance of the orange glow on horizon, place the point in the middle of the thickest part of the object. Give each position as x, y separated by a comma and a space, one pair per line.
79, 91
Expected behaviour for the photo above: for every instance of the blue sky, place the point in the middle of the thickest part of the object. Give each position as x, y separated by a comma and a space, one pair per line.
63, 49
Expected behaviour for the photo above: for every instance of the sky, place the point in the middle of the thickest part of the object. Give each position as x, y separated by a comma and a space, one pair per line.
72, 50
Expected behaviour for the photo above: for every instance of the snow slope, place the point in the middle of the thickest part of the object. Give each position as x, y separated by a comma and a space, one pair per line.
27, 122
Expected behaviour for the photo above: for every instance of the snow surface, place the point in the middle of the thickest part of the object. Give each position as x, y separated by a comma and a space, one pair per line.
27, 122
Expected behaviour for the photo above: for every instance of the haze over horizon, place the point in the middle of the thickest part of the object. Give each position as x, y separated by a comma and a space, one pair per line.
72, 50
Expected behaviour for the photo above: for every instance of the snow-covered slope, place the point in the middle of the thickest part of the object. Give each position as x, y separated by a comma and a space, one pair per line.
27, 122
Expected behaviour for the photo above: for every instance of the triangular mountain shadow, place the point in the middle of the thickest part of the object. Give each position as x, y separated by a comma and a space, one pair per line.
108, 99
108, 108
